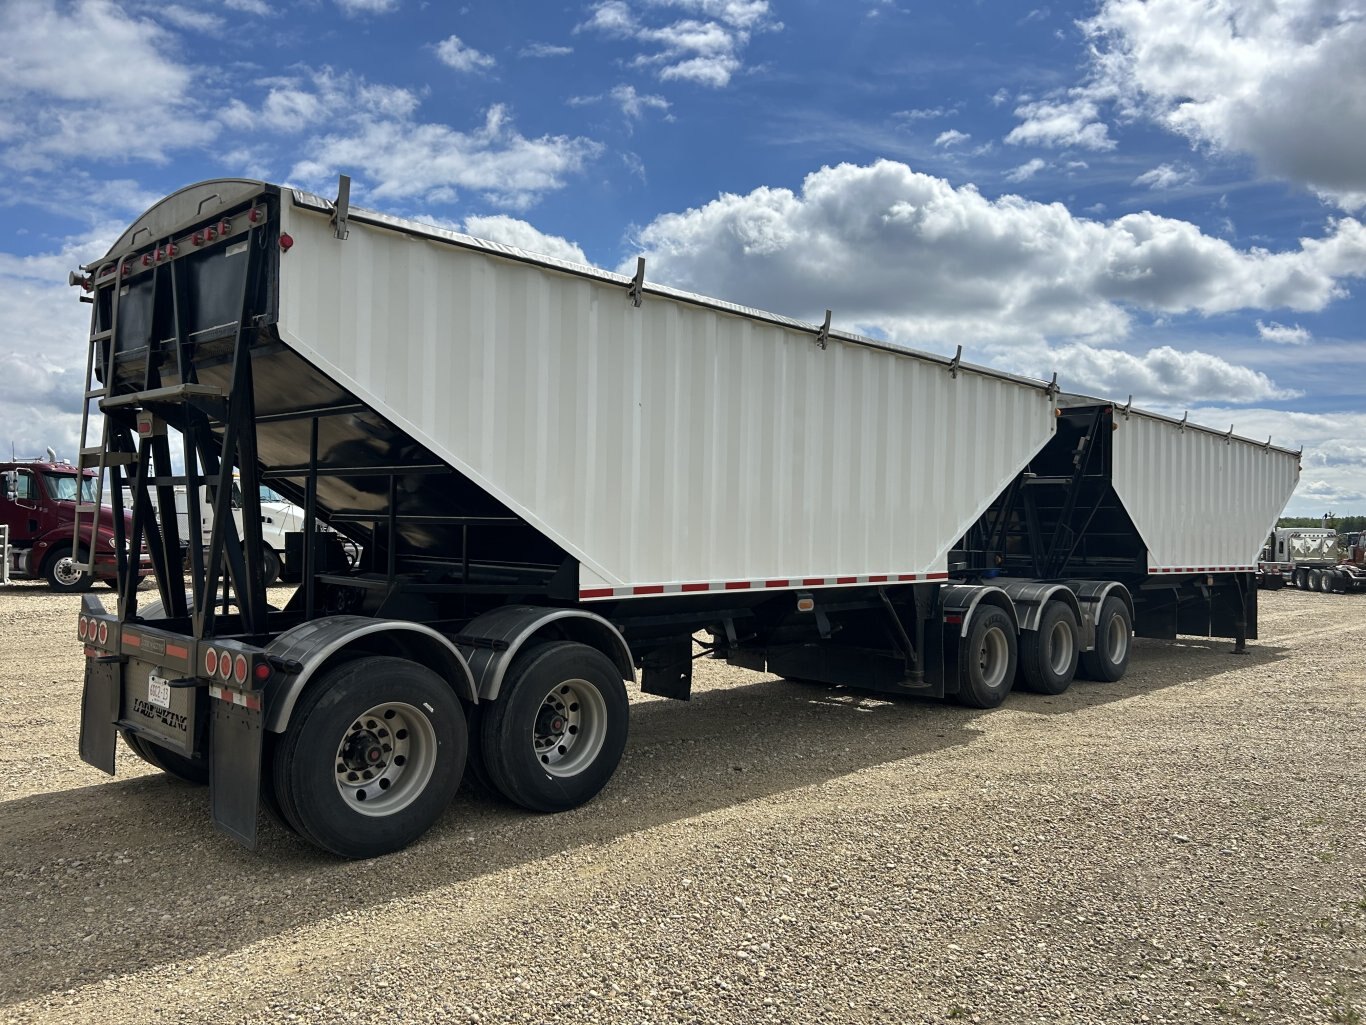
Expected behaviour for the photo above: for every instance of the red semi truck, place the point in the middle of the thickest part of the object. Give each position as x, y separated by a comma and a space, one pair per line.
38, 505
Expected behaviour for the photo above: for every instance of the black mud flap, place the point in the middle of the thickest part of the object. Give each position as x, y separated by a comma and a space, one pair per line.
235, 744
99, 712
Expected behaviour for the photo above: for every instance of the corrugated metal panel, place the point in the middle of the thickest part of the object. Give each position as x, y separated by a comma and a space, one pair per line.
1201, 501
671, 444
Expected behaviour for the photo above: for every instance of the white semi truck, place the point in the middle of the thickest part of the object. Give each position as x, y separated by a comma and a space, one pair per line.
559, 476
279, 519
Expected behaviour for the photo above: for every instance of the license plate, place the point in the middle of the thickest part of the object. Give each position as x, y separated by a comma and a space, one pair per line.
159, 691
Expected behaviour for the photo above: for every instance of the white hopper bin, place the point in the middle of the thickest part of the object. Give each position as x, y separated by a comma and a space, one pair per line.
1202, 501
682, 445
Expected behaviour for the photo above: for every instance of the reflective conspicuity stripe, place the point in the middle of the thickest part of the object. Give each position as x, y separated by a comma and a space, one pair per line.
235, 697
1171, 570
784, 584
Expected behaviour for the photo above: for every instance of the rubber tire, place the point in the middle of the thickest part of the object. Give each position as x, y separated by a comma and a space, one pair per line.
1036, 671
1097, 664
973, 689
1302, 579
270, 560
304, 755
509, 723
50, 572
1315, 579
190, 770
1337, 583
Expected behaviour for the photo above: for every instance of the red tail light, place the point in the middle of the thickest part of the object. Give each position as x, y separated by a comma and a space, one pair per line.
104, 632
83, 628
239, 669
262, 672
225, 667
211, 662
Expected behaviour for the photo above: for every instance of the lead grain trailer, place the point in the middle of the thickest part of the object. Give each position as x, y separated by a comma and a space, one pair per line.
559, 476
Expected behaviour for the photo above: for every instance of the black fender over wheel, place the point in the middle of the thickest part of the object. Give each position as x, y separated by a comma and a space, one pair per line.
66, 573
191, 770
556, 733
373, 754
987, 658
1048, 654
1114, 632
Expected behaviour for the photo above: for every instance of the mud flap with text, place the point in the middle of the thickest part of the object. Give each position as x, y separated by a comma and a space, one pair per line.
99, 712
235, 743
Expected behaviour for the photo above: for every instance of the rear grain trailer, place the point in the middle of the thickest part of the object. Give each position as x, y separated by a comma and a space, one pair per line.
559, 476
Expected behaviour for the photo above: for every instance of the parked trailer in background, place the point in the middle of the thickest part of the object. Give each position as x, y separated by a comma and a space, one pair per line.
1312, 559
559, 475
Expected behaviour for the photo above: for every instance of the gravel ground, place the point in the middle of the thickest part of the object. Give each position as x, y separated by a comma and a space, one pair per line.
1186, 845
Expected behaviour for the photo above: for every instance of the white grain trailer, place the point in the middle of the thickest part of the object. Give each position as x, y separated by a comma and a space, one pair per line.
560, 475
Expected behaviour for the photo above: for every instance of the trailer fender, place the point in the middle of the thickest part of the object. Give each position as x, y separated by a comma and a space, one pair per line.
1091, 595
962, 599
1031, 596
492, 641
331, 639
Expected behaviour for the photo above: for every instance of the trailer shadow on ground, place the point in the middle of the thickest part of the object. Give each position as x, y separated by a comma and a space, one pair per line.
100, 850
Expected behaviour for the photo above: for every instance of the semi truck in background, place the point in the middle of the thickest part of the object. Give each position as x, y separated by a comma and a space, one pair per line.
559, 476
38, 500
1312, 559
279, 519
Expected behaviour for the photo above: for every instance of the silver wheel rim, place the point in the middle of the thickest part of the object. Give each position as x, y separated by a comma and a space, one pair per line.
992, 656
1060, 647
385, 759
68, 571
1116, 640
570, 728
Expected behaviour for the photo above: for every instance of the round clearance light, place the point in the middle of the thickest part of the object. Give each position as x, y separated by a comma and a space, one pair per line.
262, 672
82, 627
104, 632
211, 663
225, 667
239, 669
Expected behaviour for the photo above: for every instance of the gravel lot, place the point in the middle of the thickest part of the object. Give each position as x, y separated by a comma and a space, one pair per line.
1186, 845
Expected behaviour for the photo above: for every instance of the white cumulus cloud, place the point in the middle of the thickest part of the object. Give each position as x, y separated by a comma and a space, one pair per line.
400, 157
1072, 120
514, 231
909, 255
1283, 334
1166, 176
704, 46
1283, 81
90, 80
1026, 170
454, 53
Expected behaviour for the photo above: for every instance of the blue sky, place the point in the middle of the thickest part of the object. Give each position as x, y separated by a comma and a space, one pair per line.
1157, 198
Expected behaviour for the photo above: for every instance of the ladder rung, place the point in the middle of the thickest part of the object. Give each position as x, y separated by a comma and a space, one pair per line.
96, 393
87, 507
102, 336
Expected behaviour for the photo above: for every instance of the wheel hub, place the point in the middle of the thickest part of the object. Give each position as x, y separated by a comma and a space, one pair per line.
365, 749
385, 758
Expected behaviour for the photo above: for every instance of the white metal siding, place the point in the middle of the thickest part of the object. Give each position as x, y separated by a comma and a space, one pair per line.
1201, 501
666, 445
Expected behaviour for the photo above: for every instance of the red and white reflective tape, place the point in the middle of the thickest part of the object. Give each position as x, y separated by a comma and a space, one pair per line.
785, 583
1168, 570
235, 697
